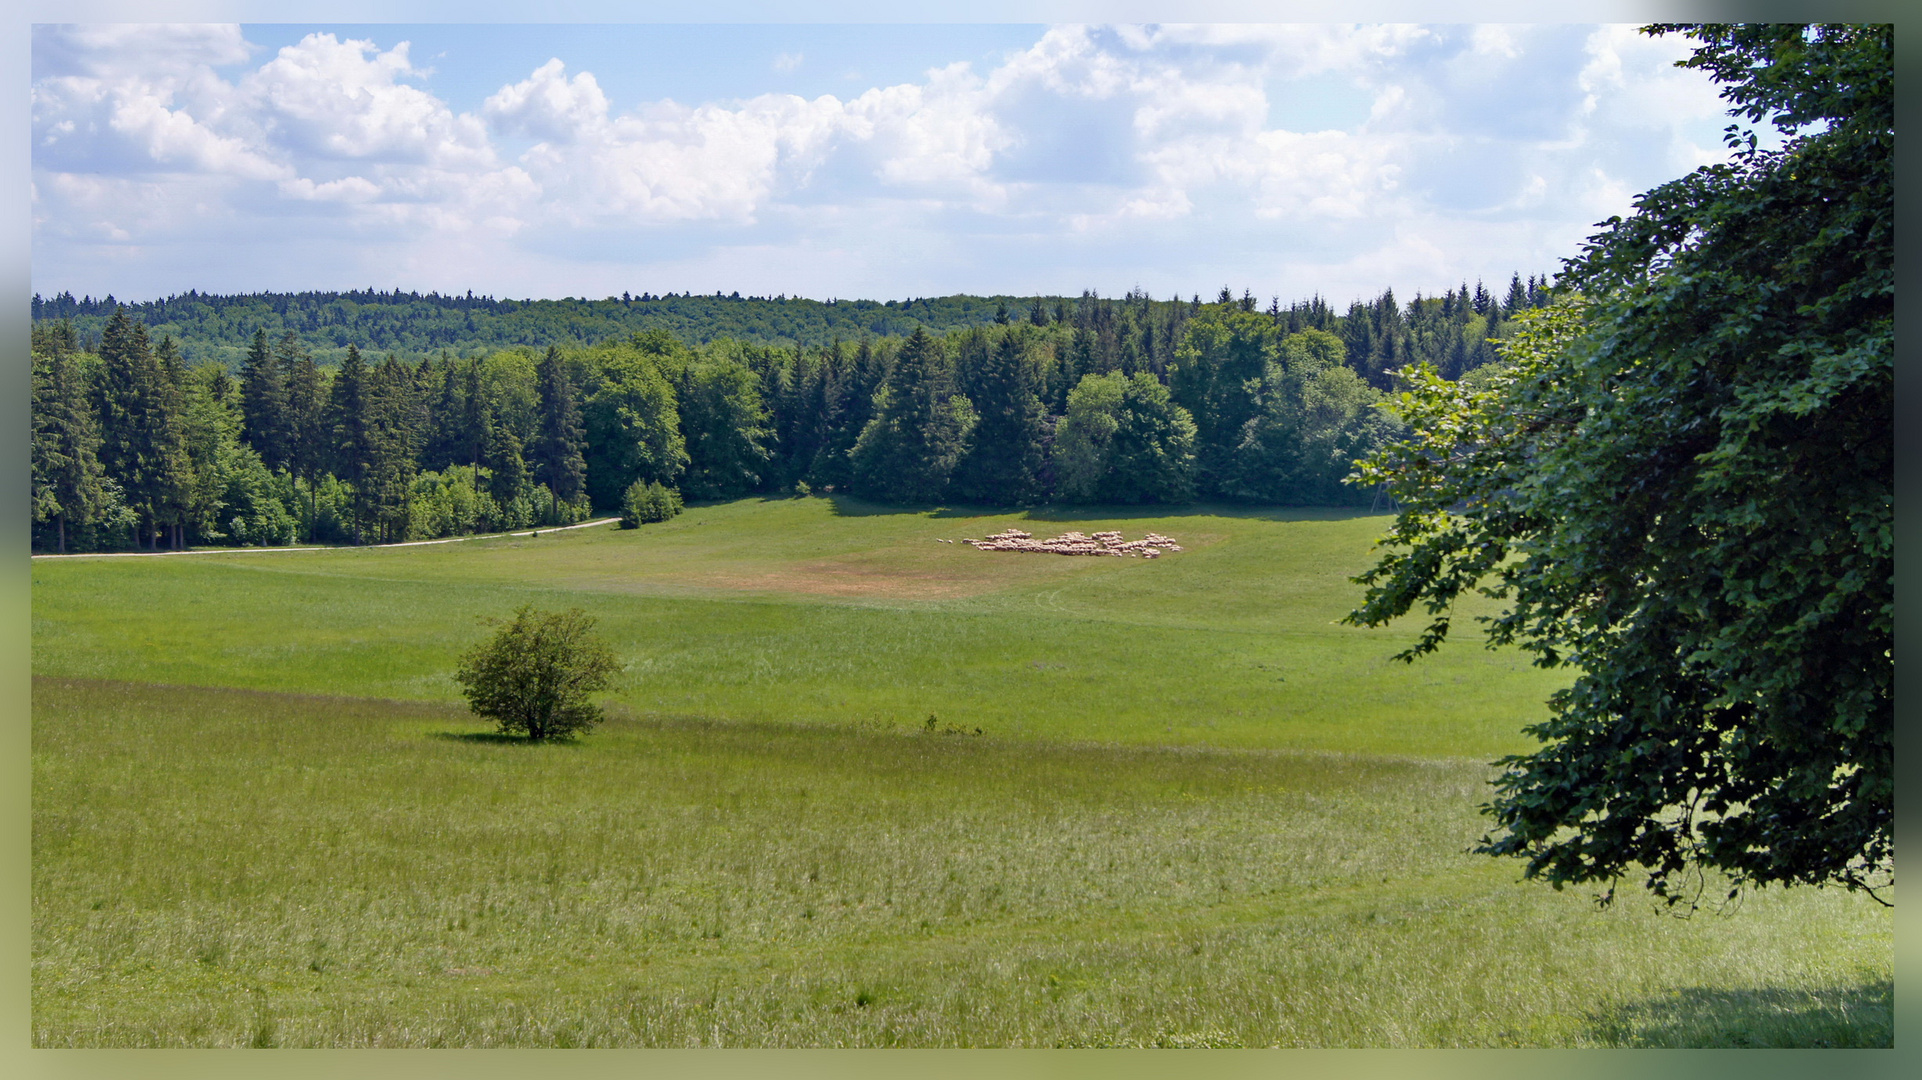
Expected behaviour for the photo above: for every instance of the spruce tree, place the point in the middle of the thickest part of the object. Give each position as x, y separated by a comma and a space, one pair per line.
919, 431
1004, 461
557, 459
352, 434
476, 417
1517, 301
506, 466
308, 448
142, 446
263, 398
392, 397
860, 378
67, 477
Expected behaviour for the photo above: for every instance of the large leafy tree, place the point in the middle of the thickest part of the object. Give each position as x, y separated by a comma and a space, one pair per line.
1317, 416
1124, 440
1219, 364
1682, 487
633, 430
724, 428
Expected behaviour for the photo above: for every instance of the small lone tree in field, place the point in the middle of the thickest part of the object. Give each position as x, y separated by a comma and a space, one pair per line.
536, 672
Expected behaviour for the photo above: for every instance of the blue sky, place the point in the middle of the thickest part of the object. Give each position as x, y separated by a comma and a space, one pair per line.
880, 161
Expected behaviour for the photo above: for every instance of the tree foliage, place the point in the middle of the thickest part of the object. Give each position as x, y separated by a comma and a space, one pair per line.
1682, 487
1124, 440
534, 676
920, 429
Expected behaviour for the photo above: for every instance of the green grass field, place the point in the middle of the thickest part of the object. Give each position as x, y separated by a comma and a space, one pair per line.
1201, 813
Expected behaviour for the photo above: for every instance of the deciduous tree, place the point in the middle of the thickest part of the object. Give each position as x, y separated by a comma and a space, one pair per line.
1683, 489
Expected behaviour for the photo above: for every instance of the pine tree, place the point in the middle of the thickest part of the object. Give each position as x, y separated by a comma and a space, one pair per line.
68, 480
394, 434
308, 448
920, 427
1004, 460
142, 446
1517, 301
263, 397
861, 378
557, 458
352, 434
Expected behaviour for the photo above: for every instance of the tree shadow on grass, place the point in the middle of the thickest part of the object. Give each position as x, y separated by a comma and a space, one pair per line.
1862, 1015
495, 738
848, 506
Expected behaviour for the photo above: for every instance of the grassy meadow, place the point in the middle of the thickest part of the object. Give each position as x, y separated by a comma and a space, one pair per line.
1199, 812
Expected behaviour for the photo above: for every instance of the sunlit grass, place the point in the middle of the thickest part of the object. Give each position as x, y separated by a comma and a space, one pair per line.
1200, 812
236, 868
810, 610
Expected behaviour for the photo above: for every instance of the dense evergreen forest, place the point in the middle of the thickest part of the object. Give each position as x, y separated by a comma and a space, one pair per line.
258, 420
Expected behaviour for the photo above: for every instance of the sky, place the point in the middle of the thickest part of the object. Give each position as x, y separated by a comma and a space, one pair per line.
859, 161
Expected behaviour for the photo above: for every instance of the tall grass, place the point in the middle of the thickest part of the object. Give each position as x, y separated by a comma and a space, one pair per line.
240, 868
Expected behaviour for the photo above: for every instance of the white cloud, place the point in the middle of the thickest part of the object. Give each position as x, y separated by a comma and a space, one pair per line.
1158, 143
342, 99
547, 105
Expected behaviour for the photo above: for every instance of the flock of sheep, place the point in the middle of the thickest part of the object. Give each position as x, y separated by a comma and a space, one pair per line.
1073, 543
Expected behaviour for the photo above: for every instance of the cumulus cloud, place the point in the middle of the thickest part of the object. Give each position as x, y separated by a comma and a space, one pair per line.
1177, 140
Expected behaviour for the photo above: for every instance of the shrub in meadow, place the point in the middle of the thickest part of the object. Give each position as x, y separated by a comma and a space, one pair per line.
648, 501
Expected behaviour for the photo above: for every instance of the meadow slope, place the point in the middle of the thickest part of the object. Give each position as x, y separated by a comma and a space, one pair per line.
1200, 812
833, 611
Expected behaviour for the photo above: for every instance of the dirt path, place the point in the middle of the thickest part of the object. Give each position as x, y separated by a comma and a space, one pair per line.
364, 547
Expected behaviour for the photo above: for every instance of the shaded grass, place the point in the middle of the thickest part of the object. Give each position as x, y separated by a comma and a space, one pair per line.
219, 867
730, 612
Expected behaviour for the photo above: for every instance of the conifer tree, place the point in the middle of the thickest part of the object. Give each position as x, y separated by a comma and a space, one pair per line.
142, 445
392, 398
920, 427
1004, 460
1517, 301
557, 459
263, 397
68, 487
349, 422
308, 448
476, 417
506, 465
860, 378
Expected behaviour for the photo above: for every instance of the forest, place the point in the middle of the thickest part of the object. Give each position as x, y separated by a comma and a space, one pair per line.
258, 419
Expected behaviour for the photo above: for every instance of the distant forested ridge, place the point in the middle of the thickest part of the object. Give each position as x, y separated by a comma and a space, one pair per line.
258, 420
411, 325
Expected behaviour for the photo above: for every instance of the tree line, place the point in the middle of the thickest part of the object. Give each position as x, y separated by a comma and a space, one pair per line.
1091, 401
412, 325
